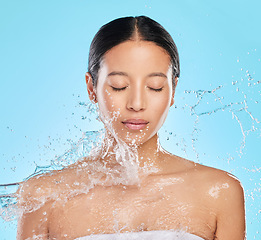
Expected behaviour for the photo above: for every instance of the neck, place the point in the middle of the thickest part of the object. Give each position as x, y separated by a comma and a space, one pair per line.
150, 152
148, 155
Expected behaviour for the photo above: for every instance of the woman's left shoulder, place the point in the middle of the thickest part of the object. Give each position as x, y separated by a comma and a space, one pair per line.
225, 195
221, 184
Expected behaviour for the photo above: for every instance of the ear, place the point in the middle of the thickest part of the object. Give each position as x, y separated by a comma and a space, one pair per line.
173, 92
90, 88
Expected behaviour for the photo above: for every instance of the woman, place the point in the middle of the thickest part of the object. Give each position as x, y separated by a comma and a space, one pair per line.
129, 187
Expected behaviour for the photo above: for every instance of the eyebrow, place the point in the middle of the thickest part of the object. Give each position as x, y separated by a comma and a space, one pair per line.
115, 73
156, 74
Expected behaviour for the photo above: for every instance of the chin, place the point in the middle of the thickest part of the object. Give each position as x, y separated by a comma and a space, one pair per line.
131, 141
135, 142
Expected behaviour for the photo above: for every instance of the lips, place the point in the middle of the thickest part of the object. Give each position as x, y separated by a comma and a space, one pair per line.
135, 124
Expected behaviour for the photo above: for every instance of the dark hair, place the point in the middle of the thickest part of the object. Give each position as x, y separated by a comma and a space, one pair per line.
124, 29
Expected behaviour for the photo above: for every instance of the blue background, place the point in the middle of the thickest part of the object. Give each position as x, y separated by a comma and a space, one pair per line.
217, 113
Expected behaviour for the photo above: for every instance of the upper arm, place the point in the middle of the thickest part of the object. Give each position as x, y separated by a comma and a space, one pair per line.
33, 225
231, 214
33, 206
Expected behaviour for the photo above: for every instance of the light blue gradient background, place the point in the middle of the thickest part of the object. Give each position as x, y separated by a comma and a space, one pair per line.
43, 59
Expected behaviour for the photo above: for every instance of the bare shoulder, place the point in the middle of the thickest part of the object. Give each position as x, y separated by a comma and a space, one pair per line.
218, 184
39, 195
221, 182
34, 199
38, 190
221, 192
226, 196
226, 189
210, 175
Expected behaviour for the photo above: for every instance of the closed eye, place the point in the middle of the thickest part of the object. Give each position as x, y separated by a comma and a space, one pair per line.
118, 89
156, 89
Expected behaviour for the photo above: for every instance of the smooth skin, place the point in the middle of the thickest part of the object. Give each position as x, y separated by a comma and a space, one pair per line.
135, 82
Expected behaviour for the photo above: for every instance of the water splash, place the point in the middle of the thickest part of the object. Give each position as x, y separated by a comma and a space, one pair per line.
90, 153
204, 103
209, 102
8, 192
8, 201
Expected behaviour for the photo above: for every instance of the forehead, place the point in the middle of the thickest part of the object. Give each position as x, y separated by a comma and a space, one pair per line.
138, 56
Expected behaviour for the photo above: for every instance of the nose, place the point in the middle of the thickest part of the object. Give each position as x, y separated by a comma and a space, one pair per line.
136, 100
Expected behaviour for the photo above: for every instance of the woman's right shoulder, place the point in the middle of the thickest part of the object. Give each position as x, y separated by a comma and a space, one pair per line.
35, 198
46, 187
37, 189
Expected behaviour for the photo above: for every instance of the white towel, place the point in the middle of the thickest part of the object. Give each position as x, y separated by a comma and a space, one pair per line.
145, 235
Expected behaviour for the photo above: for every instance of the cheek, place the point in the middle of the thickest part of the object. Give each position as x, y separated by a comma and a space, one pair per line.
160, 105
159, 111
108, 102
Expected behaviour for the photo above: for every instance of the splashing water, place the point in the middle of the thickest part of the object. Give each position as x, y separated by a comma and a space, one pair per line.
90, 147
202, 103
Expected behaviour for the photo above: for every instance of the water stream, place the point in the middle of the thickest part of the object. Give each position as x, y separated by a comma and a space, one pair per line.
198, 106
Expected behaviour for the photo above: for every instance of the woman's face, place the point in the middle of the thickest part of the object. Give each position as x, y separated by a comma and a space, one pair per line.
134, 90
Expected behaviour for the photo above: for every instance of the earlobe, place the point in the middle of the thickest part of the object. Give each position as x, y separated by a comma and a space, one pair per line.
172, 101
90, 87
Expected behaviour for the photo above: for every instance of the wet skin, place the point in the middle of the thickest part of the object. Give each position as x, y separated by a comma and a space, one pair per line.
134, 87
135, 82
182, 195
